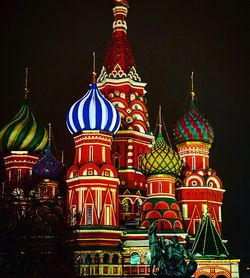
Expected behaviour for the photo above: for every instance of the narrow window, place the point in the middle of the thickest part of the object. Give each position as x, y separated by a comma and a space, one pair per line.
89, 215
30, 174
204, 162
116, 162
220, 218
193, 163
79, 155
115, 259
108, 215
103, 154
19, 174
91, 153
185, 211
160, 187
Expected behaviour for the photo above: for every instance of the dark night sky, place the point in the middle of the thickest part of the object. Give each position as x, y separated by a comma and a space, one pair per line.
169, 39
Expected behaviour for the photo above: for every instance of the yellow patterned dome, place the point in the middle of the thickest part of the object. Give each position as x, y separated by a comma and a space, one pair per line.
161, 159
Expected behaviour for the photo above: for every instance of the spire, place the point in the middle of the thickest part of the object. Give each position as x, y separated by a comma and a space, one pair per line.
26, 90
120, 11
119, 60
49, 141
94, 70
208, 242
192, 87
160, 123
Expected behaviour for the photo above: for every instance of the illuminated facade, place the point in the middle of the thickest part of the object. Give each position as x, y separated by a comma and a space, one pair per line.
150, 182
122, 178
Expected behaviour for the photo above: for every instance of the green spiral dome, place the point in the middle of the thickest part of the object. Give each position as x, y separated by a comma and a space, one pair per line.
23, 133
161, 159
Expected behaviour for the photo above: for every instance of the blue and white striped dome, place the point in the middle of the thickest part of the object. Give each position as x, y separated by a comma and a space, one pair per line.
93, 112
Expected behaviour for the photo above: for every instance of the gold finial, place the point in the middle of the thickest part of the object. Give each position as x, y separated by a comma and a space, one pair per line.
49, 134
192, 86
26, 90
94, 71
160, 123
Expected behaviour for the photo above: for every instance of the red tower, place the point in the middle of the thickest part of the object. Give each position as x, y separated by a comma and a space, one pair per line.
92, 179
199, 186
161, 164
121, 84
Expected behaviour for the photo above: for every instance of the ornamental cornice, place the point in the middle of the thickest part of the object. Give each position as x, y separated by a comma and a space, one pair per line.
104, 80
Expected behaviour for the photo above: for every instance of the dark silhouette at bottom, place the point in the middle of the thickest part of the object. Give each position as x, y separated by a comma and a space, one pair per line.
169, 260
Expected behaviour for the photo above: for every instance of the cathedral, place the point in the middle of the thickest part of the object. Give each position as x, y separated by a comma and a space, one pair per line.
123, 178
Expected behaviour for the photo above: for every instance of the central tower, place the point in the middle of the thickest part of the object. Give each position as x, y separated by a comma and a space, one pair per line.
121, 84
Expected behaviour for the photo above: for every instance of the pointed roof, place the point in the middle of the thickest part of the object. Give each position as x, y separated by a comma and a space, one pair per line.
119, 61
208, 242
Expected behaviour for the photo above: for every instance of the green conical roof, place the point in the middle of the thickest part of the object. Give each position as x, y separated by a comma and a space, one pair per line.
208, 242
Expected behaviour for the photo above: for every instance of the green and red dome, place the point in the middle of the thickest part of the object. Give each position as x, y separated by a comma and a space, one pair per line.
193, 126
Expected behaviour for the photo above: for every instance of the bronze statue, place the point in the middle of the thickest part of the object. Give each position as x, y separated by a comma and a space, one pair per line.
154, 247
169, 260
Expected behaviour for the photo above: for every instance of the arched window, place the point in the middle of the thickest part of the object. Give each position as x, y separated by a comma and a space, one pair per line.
139, 161
221, 276
147, 258
91, 153
88, 259
106, 258
115, 259
126, 205
203, 276
135, 258
138, 206
116, 161
97, 258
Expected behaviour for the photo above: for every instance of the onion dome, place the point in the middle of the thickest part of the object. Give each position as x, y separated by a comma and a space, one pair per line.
193, 126
93, 112
48, 167
23, 133
161, 159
